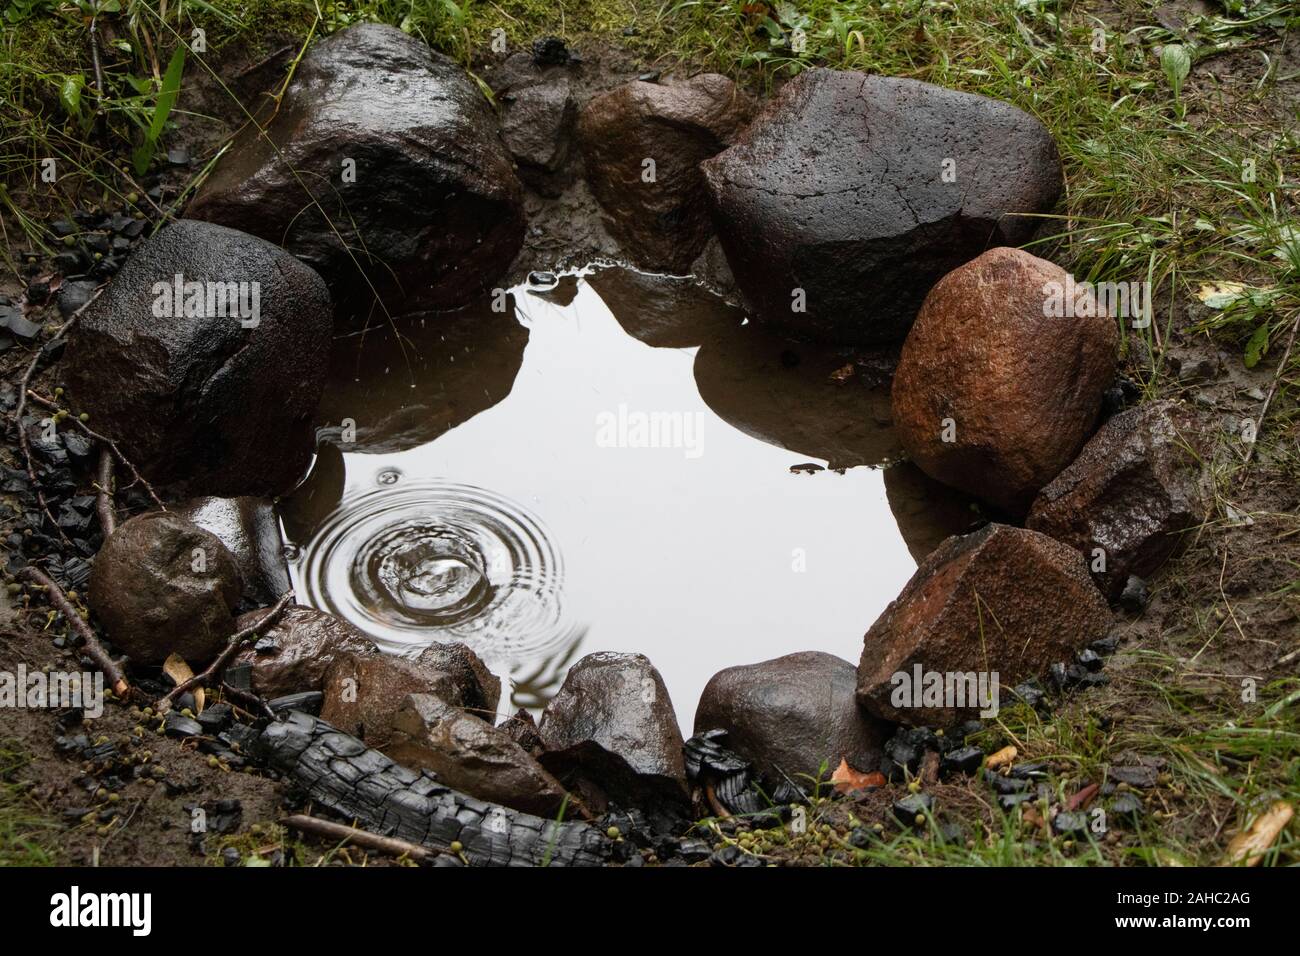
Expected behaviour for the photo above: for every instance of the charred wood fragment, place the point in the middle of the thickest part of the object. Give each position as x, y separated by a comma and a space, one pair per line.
339, 772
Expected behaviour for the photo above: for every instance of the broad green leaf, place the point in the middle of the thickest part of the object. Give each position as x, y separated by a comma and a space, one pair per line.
1177, 63
70, 94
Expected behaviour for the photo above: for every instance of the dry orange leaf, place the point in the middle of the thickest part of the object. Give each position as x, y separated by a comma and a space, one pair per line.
846, 778
1002, 758
1250, 845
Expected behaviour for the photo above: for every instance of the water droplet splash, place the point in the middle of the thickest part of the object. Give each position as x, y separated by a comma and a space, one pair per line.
428, 574
426, 561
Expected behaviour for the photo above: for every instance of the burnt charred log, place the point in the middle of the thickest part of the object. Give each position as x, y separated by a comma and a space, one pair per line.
339, 772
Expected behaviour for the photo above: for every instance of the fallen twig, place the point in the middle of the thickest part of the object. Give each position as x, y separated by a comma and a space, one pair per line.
136, 477
362, 838
249, 701
94, 55
94, 650
104, 487
211, 675
711, 795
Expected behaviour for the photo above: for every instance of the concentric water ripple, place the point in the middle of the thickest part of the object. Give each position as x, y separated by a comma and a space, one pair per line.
418, 561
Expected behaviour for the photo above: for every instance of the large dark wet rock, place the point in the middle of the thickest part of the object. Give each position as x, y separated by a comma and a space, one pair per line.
1001, 599
250, 531
466, 752
792, 716
162, 585
362, 693
434, 215
199, 400
992, 395
295, 653
658, 213
838, 189
1133, 492
611, 732
403, 390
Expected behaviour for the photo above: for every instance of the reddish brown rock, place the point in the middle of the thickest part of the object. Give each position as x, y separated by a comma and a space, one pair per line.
792, 716
1001, 599
662, 223
470, 755
362, 694
162, 585
992, 395
297, 650
522, 729
1128, 498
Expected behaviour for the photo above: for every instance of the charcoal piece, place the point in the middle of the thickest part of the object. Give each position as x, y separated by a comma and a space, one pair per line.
963, 760
912, 806
340, 773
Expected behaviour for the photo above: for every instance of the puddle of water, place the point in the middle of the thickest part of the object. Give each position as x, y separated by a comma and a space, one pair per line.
606, 466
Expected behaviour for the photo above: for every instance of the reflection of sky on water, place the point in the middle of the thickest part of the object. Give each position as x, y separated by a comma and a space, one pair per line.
699, 558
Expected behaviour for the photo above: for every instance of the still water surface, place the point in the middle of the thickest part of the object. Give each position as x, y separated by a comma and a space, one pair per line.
616, 462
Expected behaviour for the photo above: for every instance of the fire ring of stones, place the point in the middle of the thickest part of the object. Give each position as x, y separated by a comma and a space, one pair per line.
1005, 388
